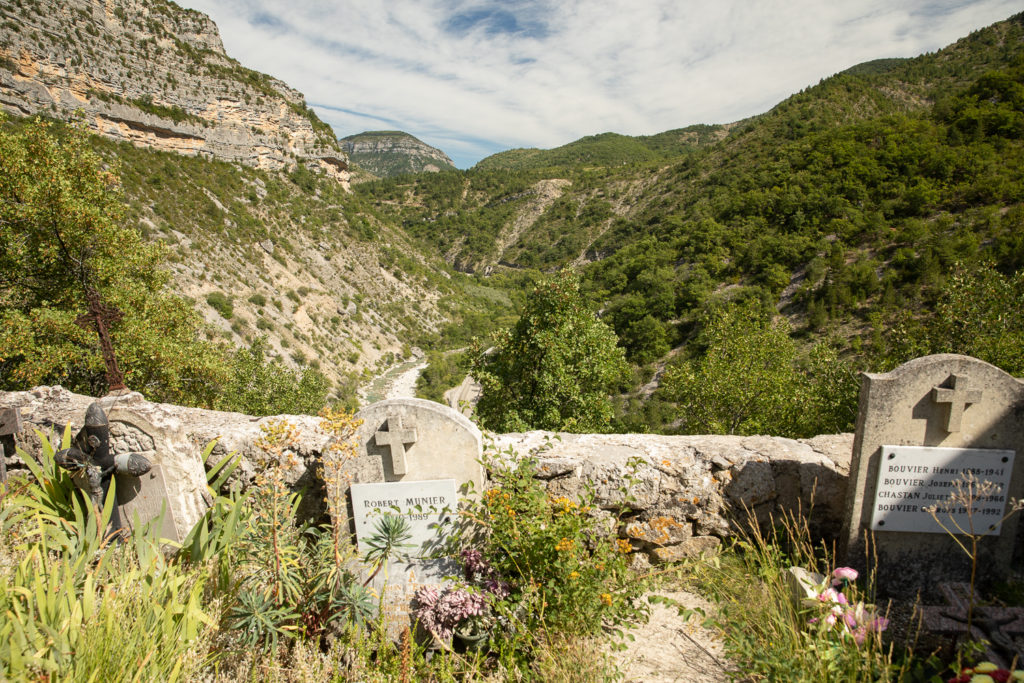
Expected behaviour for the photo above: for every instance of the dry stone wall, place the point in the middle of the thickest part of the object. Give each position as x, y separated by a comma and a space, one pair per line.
681, 494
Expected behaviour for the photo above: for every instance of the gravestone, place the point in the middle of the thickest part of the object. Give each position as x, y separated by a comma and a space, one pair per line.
415, 458
10, 424
920, 429
176, 482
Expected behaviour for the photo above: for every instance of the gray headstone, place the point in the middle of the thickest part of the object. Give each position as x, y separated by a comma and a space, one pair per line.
408, 449
920, 427
176, 484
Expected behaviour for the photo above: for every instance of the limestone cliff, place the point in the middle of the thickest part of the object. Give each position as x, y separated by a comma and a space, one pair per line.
155, 74
387, 153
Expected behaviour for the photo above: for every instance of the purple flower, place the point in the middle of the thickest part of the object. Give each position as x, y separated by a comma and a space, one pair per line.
474, 564
499, 589
441, 611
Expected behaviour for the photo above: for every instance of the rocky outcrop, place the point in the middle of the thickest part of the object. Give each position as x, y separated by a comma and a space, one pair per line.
672, 496
387, 153
154, 74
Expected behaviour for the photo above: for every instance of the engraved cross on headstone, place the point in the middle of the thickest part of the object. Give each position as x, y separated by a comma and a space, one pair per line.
396, 437
958, 397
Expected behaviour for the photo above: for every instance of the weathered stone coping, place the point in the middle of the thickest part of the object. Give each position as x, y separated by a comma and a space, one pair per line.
686, 490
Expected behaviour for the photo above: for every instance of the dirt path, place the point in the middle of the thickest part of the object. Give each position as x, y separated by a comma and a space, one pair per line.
668, 649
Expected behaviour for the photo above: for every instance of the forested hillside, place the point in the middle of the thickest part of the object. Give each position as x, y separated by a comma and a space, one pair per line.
747, 270
860, 208
289, 267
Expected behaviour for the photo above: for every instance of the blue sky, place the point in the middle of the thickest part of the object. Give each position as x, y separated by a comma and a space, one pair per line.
474, 77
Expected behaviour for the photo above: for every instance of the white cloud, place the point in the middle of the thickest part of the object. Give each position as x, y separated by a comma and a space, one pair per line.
476, 76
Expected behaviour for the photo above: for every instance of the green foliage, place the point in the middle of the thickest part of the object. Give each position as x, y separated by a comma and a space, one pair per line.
60, 227
748, 380
977, 313
79, 607
221, 303
766, 634
258, 385
554, 369
443, 371
566, 572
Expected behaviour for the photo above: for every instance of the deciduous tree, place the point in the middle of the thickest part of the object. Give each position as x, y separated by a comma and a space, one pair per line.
554, 369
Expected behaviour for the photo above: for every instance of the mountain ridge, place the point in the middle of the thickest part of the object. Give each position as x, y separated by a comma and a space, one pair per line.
387, 153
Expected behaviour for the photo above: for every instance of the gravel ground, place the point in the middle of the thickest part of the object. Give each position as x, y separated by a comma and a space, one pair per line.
668, 649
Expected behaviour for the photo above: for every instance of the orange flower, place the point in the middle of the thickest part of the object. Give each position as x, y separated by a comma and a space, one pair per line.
565, 544
624, 546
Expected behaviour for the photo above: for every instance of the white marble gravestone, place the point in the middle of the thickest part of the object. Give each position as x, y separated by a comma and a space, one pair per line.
426, 506
415, 458
920, 428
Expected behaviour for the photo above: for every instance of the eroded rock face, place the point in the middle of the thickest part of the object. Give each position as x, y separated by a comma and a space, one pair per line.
156, 75
678, 496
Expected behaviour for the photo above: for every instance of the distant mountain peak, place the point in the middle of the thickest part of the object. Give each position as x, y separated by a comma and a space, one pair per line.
387, 153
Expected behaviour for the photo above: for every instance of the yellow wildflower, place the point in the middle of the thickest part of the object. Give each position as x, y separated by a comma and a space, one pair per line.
574, 575
624, 546
565, 544
606, 598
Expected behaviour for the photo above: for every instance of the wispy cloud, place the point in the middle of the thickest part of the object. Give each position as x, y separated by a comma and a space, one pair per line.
477, 76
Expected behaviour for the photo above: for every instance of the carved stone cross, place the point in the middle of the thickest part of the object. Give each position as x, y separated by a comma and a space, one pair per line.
10, 424
396, 437
97, 318
997, 626
958, 397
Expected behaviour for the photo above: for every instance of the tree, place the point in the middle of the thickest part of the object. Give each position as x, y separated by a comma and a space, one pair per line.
978, 313
63, 246
259, 386
745, 382
752, 379
554, 369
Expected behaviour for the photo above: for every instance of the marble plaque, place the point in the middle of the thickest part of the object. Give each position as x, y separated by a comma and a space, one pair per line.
913, 478
424, 504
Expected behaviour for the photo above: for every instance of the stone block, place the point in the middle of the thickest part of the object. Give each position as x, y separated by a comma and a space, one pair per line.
691, 547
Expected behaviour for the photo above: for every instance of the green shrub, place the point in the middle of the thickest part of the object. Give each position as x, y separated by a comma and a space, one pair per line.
564, 570
222, 303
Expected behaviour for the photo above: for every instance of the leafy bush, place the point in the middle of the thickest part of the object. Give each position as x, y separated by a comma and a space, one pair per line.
222, 303
545, 565
262, 386
555, 369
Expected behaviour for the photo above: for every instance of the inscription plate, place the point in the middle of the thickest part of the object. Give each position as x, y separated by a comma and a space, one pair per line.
423, 504
912, 478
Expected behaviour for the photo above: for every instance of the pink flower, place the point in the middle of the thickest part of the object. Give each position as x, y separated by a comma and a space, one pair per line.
844, 575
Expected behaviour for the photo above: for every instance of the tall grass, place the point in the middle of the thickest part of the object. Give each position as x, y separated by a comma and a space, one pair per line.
767, 633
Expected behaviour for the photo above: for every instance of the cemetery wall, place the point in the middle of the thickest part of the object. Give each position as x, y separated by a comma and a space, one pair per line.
682, 492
